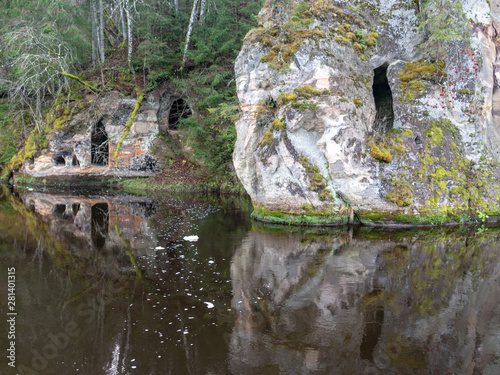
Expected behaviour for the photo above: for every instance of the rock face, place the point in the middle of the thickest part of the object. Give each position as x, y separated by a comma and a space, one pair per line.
344, 119
85, 144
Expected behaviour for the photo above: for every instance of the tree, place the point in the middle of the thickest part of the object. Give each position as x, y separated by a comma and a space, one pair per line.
194, 12
443, 22
128, 13
36, 60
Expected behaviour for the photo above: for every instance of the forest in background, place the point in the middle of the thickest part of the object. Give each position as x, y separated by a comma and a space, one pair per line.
47, 45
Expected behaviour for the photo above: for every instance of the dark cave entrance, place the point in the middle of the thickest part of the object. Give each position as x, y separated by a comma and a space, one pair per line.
100, 222
384, 119
99, 147
178, 111
75, 162
59, 161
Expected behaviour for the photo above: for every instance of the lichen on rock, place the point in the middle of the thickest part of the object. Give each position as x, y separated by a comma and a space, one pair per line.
393, 138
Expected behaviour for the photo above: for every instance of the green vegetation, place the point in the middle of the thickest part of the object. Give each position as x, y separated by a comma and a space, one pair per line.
443, 22
346, 34
295, 218
128, 124
412, 77
402, 195
380, 153
44, 46
299, 99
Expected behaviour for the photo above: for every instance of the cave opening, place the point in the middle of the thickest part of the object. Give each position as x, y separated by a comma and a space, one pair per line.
99, 224
75, 207
75, 162
59, 210
178, 111
59, 161
384, 118
99, 147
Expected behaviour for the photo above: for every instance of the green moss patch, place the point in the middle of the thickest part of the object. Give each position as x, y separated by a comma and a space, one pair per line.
299, 99
309, 218
411, 78
402, 195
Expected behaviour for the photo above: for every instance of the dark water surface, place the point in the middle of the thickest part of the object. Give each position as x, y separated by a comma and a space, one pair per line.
108, 283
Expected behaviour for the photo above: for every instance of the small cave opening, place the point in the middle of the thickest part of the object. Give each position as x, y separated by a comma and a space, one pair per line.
99, 224
75, 207
99, 147
59, 210
75, 162
178, 110
384, 118
59, 161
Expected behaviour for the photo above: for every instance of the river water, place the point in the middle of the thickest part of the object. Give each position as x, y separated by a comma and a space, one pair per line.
109, 283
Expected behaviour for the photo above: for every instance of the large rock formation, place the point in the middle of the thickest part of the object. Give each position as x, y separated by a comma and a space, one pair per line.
344, 118
83, 135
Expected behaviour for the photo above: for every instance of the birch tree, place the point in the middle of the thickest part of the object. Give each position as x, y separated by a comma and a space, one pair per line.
122, 19
128, 13
203, 10
194, 12
101, 31
95, 34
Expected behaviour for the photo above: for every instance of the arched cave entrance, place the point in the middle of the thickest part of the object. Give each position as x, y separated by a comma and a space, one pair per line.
99, 147
75, 162
178, 111
59, 161
99, 224
384, 119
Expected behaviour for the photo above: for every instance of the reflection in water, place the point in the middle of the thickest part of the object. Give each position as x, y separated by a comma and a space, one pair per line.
110, 278
147, 302
100, 222
398, 302
374, 319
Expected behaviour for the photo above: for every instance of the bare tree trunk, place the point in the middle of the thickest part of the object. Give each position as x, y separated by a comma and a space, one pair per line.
95, 43
176, 6
122, 17
129, 29
101, 31
203, 10
194, 12
38, 110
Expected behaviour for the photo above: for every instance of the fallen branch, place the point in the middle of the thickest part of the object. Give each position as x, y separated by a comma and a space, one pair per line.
129, 123
78, 79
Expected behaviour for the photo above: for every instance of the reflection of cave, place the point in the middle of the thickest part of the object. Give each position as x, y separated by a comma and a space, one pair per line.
178, 111
374, 319
59, 160
383, 101
99, 148
99, 222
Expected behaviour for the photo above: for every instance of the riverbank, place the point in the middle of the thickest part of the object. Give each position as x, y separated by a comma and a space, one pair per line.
180, 175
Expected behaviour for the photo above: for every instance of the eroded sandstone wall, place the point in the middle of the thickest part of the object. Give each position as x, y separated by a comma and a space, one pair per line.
344, 117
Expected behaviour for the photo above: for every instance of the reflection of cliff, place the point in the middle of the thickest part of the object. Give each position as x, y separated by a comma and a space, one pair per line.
90, 221
315, 304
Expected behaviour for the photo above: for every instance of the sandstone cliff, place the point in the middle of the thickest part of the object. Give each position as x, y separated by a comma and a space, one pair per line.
344, 117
